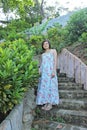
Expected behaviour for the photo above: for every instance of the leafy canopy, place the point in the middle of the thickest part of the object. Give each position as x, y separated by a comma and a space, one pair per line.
77, 24
17, 5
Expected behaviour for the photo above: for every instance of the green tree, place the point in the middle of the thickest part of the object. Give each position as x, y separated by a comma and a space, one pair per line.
30, 10
57, 35
18, 5
77, 25
33, 13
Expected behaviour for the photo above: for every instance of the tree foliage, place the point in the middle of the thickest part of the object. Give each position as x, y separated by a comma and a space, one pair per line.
33, 13
18, 5
30, 10
77, 25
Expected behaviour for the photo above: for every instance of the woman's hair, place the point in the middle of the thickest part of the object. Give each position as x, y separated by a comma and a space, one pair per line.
47, 42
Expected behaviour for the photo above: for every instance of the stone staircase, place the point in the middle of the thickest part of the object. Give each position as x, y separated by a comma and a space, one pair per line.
71, 112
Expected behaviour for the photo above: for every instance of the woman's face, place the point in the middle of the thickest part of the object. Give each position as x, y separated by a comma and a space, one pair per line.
46, 45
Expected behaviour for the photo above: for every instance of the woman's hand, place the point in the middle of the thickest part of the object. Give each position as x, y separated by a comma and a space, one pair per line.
53, 74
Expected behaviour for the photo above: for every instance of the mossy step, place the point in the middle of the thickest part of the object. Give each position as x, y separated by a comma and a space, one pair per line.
73, 116
61, 74
73, 104
65, 79
67, 116
69, 86
76, 94
52, 125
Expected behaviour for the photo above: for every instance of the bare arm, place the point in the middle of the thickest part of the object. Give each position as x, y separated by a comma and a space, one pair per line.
55, 59
55, 62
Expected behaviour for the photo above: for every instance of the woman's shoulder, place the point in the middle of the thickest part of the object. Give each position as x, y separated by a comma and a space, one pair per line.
42, 54
50, 51
53, 51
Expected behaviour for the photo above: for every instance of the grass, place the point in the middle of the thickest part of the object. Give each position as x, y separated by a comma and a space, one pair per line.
58, 119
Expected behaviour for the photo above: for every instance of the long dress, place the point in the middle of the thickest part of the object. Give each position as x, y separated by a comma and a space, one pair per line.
47, 91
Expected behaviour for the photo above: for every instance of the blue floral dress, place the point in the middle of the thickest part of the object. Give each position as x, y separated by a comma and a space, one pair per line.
47, 91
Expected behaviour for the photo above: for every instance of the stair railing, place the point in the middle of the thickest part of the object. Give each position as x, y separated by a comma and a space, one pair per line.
73, 67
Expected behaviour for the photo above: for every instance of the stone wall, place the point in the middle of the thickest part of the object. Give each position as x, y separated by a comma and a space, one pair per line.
14, 120
28, 110
21, 117
73, 67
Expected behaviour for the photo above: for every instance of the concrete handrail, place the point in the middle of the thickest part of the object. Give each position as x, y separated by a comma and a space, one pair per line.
22, 115
14, 120
73, 67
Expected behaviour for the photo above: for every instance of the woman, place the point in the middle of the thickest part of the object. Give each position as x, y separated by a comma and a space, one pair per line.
47, 93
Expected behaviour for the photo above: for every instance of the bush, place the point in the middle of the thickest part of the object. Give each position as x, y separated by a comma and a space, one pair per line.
15, 36
14, 27
83, 37
18, 71
36, 41
2, 33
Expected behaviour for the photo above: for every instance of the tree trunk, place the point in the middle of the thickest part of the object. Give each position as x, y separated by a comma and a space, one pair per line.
42, 10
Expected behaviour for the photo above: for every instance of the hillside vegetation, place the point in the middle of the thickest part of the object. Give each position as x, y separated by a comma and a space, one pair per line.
21, 43
68, 31
65, 31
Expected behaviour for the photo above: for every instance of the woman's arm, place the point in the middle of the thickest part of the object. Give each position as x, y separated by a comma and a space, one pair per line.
55, 59
55, 62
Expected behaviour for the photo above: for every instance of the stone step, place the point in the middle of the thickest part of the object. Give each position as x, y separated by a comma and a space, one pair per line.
65, 79
69, 86
67, 116
75, 94
52, 125
74, 117
61, 74
73, 104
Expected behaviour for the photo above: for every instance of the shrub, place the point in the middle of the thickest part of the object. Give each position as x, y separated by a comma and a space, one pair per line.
13, 27
83, 37
36, 41
2, 32
15, 36
18, 72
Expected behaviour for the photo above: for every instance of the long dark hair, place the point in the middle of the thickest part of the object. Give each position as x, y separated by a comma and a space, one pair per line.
48, 43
